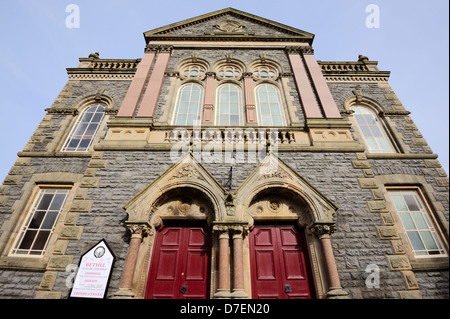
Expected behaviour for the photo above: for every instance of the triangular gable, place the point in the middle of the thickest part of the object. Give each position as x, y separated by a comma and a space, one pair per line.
187, 172
228, 24
274, 172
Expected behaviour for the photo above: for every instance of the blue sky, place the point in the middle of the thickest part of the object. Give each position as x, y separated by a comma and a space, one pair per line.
412, 42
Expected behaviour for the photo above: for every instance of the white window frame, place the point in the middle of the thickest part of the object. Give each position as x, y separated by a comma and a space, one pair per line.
78, 122
411, 223
178, 104
219, 106
280, 105
380, 127
16, 251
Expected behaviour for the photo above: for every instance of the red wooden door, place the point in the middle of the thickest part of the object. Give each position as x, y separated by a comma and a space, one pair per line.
180, 264
278, 261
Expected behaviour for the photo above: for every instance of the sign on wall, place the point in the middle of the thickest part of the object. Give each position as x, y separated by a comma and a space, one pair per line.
93, 273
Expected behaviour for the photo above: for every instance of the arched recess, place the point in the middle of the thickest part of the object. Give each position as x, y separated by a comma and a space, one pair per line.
184, 193
274, 194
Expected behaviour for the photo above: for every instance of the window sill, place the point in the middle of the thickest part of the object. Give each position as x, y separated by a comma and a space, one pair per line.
400, 156
430, 264
24, 263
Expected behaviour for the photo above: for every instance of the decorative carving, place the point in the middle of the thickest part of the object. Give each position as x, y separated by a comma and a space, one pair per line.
323, 228
272, 171
229, 205
299, 50
184, 206
159, 48
229, 26
274, 205
187, 170
139, 229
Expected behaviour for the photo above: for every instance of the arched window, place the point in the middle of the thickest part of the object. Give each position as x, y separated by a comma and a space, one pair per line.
82, 135
374, 135
269, 106
189, 104
229, 105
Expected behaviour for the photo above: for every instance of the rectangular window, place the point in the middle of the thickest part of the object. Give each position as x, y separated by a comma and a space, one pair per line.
40, 222
417, 223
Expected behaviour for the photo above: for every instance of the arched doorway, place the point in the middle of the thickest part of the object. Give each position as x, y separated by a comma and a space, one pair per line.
279, 257
279, 262
180, 264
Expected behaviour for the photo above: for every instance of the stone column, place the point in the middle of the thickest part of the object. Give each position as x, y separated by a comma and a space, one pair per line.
238, 261
223, 290
138, 231
323, 230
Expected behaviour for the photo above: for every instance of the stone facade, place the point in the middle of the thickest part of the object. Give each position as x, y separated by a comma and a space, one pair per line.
130, 173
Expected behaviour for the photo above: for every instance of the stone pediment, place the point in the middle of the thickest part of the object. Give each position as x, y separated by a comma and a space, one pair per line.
187, 178
275, 178
229, 24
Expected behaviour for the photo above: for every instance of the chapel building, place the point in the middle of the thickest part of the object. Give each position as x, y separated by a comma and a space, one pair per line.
227, 162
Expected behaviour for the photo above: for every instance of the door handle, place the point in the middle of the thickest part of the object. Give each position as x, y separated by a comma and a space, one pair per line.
183, 289
287, 288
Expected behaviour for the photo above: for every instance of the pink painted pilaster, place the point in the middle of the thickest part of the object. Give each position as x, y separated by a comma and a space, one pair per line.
307, 96
136, 88
208, 108
249, 99
329, 106
151, 95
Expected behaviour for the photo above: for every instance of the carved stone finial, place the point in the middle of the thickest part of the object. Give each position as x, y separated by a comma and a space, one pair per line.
362, 58
95, 55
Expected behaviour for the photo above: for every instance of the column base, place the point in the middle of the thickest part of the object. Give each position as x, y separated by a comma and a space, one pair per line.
239, 294
337, 293
124, 294
222, 294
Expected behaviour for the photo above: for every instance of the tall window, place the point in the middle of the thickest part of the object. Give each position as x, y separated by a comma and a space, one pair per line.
82, 135
269, 106
40, 222
229, 105
189, 104
415, 219
373, 133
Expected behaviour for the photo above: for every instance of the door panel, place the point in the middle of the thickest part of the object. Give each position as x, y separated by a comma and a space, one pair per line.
180, 259
278, 263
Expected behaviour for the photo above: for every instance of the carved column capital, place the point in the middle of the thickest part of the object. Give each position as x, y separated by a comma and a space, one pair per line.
139, 229
238, 231
159, 48
298, 49
323, 229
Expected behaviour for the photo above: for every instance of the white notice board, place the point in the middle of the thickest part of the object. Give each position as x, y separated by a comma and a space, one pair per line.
94, 270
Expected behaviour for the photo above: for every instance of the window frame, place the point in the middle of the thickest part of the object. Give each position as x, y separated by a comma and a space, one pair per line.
77, 122
23, 225
281, 106
430, 214
177, 105
241, 104
381, 126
